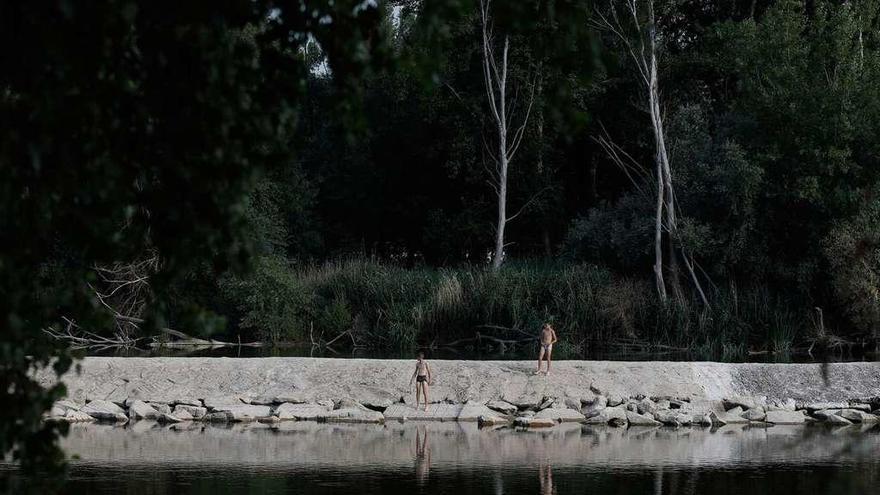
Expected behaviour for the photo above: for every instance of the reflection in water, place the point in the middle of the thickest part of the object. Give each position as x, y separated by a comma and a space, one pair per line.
423, 455
310, 458
545, 476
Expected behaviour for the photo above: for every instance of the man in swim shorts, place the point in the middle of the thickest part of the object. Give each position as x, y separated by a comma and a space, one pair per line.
422, 376
546, 339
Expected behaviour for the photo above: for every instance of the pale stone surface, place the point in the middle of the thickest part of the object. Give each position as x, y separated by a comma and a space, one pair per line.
300, 412
138, 409
636, 419
473, 411
161, 408
610, 415
312, 379
785, 417
756, 414
817, 406
245, 412
501, 406
195, 412
435, 412
105, 410
187, 401
74, 416
671, 417
857, 416
560, 414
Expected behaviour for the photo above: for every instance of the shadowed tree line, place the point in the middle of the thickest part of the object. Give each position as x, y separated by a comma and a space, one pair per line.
308, 170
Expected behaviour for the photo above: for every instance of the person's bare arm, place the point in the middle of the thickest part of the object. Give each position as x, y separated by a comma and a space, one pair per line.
554, 336
428, 369
413, 377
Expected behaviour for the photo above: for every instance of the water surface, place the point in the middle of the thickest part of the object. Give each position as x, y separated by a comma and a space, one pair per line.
436, 458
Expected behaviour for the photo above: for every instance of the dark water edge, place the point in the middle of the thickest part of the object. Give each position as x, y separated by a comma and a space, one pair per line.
440, 458
520, 353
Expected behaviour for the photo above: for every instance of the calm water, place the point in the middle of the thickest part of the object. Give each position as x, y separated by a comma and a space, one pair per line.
311, 458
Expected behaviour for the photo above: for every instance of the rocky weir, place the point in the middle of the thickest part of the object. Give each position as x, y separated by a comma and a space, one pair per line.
270, 390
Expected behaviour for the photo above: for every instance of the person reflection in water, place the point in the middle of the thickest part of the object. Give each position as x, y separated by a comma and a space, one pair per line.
423, 455
545, 476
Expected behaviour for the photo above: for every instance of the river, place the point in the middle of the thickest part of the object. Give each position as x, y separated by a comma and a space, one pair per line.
434, 458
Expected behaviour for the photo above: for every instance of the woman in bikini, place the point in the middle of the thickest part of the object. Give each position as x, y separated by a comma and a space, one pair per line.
422, 376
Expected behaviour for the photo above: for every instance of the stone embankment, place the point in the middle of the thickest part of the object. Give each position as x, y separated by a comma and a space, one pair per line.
174, 390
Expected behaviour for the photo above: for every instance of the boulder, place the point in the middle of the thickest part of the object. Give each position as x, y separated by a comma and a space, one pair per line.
859, 406
292, 398
187, 401
560, 415
501, 406
138, 409
781, 405
595, 407
74, 416
161, 407
171, 418
726, 418
646, 406
377, 403
610, 415
218, 403
218, 417
833, 419
785, 417
270, 419
533, 422
671, 417
195, 412
245, 412
742, 402
818, 406
857, 416
615, 400
105, 410
473, 411
326, 403
491, 420
756, 414
300, 412
353, 414
636, 419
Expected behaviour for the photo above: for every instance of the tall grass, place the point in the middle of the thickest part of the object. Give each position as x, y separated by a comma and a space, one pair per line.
387, 306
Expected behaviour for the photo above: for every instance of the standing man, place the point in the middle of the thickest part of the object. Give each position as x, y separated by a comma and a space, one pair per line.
547, 339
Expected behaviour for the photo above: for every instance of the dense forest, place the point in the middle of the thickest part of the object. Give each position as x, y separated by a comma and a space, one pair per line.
692, 174
385, 227
381, 223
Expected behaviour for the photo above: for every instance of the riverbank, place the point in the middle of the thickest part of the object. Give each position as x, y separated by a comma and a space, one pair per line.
495, 392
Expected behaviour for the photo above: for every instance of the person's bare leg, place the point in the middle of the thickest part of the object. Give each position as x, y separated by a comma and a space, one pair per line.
425, 394
418, 384
540, 357
549, 352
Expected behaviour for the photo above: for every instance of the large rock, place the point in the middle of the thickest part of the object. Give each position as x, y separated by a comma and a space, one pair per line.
501, 406
857, 416
138, 409
743, 402
671, 417
219, 403
353, 413
560, 415
781, 405
161, 407
187, 401
74, 416
785, 417
300, 412
636, 419
195, 412
818, 406
105, 410
533, 422
472, 411
646, 406
615, 416
66, 405
756, 414
595, 407
244, 412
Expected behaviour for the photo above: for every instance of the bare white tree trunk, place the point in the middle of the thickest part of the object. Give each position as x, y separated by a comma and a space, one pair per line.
643, 51
495, 78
